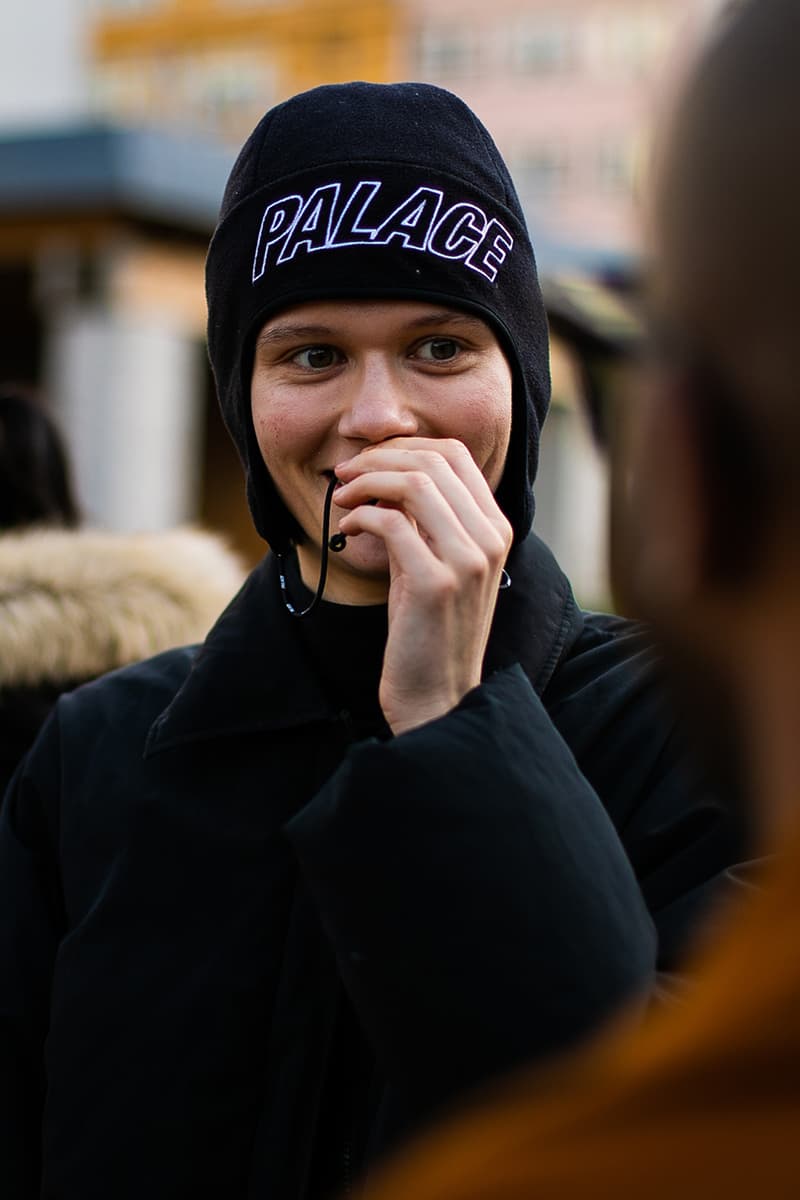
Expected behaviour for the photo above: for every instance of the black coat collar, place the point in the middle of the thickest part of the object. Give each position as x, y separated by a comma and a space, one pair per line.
252, 672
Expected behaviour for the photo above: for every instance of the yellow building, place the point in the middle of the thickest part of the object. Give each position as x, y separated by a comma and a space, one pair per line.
217, 65
104, 226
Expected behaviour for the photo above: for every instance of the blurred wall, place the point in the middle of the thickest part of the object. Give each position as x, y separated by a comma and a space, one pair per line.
44, 61
219, 64
568, 89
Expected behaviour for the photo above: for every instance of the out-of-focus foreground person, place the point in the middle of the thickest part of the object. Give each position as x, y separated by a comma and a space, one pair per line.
705, 1101
75, 603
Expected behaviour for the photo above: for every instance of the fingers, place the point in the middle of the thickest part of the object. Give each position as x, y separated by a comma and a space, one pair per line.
434, 456
410, 554
447, 541
436, 482
442, 510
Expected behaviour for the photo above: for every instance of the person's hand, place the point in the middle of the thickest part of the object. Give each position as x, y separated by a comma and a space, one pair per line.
447, 542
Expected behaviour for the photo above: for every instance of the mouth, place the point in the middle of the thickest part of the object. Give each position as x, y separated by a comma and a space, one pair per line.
332, 484
330, 476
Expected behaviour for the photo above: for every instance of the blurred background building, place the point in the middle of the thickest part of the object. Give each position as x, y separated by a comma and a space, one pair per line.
119, 120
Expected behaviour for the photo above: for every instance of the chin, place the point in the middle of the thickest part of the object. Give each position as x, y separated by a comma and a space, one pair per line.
366, 554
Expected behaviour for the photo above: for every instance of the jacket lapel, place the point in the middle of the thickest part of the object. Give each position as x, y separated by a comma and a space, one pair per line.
253, 673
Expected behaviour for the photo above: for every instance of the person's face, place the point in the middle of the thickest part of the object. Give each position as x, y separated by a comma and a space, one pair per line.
330, 379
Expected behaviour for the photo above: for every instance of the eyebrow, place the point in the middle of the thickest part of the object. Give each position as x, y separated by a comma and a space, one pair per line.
446, 317
282, 333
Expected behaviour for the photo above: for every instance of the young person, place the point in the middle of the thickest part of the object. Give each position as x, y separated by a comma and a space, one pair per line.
268, 904
705, 1100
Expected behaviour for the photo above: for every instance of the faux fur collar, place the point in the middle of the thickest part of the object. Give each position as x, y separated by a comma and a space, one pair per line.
75, 604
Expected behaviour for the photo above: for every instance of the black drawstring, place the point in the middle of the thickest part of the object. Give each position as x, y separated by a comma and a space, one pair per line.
335, 543
323, 565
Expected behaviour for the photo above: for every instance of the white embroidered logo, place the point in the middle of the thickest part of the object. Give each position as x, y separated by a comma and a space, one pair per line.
328, 219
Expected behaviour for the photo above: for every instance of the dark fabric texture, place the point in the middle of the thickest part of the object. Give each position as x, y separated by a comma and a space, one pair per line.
345, 645
23, 711
243, 953
374, 191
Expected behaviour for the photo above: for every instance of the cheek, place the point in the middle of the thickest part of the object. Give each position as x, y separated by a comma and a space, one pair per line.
267, 427
264, 418
485, 422
281, 431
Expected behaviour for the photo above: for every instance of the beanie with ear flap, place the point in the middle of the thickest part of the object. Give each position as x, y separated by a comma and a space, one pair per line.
374, 191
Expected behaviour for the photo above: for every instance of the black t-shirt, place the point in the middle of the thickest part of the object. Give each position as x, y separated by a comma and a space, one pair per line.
345, 642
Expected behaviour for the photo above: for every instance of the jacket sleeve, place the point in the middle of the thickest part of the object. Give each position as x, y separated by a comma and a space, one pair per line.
30, 923
479, 901
613, 706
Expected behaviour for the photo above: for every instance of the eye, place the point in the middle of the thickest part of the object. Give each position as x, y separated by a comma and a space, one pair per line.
317, 358
438, 349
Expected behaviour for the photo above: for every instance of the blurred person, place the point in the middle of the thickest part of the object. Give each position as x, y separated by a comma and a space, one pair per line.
704, 1100
75, 603
409, 817
35, 483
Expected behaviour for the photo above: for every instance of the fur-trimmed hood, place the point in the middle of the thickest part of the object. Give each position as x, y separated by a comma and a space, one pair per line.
77, 603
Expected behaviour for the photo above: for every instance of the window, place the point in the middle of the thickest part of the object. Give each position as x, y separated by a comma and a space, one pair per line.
543, 47
540, 172
630, 43
222, 93
613, 171
446, 54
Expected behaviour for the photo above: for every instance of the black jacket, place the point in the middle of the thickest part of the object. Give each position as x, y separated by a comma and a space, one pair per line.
209, 897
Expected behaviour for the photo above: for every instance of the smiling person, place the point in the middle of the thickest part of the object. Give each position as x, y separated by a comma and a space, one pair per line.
409, 817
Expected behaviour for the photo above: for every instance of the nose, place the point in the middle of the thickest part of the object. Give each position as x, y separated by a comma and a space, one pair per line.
379, 405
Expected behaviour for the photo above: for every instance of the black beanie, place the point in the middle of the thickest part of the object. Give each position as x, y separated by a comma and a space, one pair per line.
374, 191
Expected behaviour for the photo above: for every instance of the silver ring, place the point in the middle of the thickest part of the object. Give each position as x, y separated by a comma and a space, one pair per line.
505, 581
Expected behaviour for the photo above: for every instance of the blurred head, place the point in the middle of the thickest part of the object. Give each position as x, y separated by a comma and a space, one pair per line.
35, 486
711, 550
373, 193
